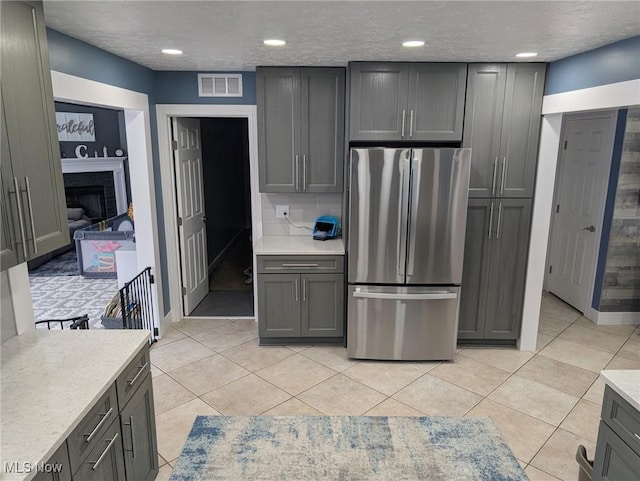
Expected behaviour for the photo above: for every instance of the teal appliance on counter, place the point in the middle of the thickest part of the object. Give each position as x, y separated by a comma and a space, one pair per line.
326, 227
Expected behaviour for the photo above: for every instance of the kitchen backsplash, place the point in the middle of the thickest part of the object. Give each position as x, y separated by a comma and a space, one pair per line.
303, 211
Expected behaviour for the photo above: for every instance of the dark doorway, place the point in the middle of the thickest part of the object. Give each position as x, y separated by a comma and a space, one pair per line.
227, 191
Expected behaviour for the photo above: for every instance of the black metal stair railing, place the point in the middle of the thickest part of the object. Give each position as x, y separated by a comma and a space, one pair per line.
136, 303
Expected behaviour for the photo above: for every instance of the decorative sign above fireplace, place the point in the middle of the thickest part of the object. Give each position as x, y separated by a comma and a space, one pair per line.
75, 127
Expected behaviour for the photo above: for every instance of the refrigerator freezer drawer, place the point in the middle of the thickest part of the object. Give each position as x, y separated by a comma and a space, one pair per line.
403, 323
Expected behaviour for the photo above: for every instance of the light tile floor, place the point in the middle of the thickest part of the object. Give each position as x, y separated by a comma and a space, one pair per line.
544, 403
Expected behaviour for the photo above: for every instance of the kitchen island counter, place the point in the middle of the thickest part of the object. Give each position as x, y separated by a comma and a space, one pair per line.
49, 382
624, 382
298, 245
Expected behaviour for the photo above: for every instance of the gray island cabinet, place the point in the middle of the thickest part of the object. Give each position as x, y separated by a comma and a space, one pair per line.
617, 456
406, 101
300, 128
102, 426
33, 215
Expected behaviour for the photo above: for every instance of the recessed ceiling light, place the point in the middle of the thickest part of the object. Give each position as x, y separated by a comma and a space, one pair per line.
274, 43
413, 43
526, 54
172, 51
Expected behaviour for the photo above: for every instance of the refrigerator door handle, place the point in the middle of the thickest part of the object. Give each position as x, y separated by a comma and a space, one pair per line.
499, 221
406, 297
415, 180
404, 215
490, 221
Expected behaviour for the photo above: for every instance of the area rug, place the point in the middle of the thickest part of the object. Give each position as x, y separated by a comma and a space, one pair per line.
354, 448
66, 264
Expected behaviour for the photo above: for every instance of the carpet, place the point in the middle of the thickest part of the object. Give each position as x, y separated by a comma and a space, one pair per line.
66, 264
353, 448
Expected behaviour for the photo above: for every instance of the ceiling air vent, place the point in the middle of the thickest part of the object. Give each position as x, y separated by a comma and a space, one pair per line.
219, 85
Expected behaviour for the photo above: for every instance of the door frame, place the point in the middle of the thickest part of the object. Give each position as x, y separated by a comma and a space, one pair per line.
164, 114
590, 283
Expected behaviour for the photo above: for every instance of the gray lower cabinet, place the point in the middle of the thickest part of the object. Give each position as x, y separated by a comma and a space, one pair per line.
300, 129
105, 462
497, 241
300, 297
406, 101
617, 456
57, 467
34, 220
137, 421
502, 127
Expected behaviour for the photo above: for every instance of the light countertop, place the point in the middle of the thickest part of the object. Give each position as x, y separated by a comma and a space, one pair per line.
626, 383
49, 381
298, 245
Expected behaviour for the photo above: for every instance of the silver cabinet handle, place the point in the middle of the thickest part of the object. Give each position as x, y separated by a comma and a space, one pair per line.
405, 297
297, 265
105, 416
411, 124
304, 172
140, 371
504, 173
304, 290
493, 180
297, 296
104, 453
133, 443
297, 170
404, 114
33, 226
499, 221
490, 221
21, 219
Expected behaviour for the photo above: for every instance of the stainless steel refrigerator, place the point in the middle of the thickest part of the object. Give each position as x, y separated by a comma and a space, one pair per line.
407, 220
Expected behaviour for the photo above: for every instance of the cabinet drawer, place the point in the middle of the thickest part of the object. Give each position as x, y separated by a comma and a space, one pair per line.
91, 429
615, 461
105, 461
622, 418
132, 376
301, 264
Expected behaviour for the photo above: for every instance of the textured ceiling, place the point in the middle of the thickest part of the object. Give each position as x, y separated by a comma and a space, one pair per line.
228, 35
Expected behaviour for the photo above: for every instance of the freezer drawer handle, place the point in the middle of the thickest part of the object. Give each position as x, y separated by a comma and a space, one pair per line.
405, 297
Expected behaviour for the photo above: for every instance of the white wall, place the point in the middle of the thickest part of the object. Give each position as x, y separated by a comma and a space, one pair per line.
304, 209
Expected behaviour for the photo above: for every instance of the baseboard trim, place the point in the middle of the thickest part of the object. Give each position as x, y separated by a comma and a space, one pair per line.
218, 259
615, 318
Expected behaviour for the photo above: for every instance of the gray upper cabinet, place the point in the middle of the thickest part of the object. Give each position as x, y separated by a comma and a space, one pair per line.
502, 126
34, 186
495, 259
406, 101
301, 129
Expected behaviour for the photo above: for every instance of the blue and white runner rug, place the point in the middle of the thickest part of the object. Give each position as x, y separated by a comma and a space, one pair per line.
345, 448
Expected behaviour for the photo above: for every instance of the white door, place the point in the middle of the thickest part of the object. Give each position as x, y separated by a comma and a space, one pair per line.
192, 220
581, 191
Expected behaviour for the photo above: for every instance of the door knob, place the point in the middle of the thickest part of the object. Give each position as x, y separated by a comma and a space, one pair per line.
204, 219
591, 228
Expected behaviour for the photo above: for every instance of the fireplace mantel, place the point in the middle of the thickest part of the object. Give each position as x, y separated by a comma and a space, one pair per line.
102, 164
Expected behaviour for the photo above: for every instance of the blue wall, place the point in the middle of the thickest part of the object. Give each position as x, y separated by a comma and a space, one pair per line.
616, 62
610, 202
182, 88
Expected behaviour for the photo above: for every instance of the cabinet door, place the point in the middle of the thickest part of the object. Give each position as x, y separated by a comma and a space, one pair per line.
521, 129
279, 305
436, 101
278, 93
105, 462
321, 129
31, 127
11, 252
510, 241
378, 105
614, 460
322, 305
138, 423
475, 273
57, 467
482, 126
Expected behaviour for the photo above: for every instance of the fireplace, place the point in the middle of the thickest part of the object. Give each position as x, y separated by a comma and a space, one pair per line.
91, 198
